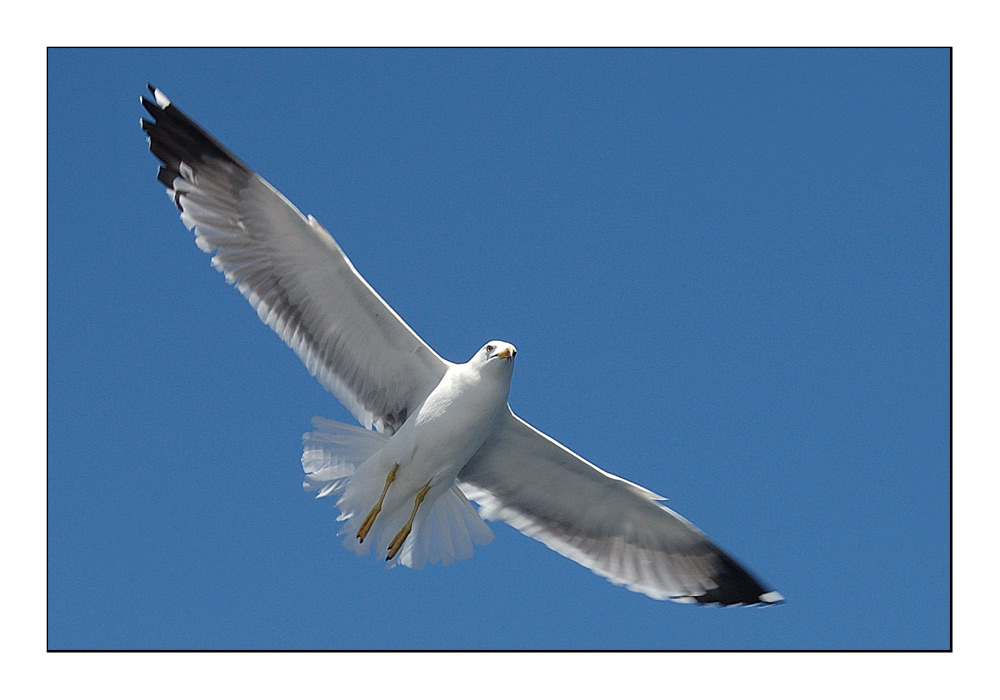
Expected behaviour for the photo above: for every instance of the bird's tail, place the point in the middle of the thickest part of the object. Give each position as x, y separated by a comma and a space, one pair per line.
443, 532
333, 452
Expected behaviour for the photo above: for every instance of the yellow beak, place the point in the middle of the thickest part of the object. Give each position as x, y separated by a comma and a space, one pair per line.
507, 353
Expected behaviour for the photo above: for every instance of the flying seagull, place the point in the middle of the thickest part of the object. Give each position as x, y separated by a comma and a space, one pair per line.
434, 434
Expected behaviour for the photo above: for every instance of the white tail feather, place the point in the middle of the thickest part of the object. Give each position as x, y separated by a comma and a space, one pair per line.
333, 452
445, 533
337, 455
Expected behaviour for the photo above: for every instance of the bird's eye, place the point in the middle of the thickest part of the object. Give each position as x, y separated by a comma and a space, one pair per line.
489, 349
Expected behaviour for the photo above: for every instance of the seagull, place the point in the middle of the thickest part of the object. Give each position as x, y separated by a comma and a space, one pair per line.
435, 435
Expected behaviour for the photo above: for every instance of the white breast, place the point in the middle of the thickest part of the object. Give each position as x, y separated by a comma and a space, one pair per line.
456, 419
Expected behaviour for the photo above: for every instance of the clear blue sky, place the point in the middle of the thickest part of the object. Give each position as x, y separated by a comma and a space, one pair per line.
726, 273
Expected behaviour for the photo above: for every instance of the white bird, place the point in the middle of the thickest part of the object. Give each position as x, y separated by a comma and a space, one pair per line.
435, 434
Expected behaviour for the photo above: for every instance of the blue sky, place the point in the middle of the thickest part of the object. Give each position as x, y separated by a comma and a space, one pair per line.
726, 273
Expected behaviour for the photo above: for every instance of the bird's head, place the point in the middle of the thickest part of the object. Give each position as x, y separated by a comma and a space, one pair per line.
497, 351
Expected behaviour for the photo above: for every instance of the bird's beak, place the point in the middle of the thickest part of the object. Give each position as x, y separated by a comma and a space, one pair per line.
507, 353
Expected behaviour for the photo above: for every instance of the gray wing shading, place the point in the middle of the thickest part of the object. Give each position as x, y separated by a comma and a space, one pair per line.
610, 525
294, 274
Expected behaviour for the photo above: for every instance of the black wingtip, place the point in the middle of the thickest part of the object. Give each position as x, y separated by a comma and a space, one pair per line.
154, 110
175, 139
736, 586
716, 598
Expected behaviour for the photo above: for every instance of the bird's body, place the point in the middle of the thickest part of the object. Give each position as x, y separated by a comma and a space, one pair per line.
444, 433
430, 448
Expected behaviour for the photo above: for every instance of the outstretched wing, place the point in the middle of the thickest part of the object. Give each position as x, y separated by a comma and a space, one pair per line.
610, 525
294, 274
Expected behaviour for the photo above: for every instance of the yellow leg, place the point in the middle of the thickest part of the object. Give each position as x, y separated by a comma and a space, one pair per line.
370, 520
400, 538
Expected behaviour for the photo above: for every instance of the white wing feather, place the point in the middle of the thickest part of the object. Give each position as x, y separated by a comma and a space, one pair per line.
294, 274
608, 524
